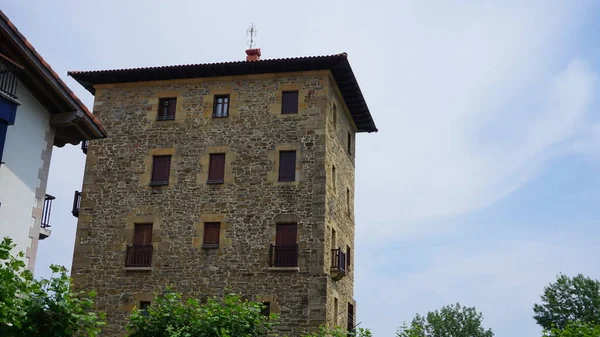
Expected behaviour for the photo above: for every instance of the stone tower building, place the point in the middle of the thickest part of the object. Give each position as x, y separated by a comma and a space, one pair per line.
224, 177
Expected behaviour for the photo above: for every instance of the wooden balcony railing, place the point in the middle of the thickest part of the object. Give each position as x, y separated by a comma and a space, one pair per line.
338, 261
46, 211
9, 76
76, 204
283, 256
138, 256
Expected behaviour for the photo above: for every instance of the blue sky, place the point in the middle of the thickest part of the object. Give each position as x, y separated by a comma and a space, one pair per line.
482, 183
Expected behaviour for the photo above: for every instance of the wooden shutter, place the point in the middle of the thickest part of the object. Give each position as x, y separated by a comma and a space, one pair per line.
142, 235
172, 106
212, 232
161, 168
286, 234
289, 102
216, 169
287, 165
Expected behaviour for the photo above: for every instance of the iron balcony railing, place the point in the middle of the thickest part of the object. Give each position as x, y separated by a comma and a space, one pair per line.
283, 256
9, 76
76, 204
338, 260
47, 210
139, 256
84, 146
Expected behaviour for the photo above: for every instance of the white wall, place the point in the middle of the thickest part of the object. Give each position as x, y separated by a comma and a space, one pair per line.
19, 179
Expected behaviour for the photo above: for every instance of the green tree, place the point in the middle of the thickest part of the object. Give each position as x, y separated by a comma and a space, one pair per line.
339, 332
171, 316
575, 329
450, 321
569, 300
41, 308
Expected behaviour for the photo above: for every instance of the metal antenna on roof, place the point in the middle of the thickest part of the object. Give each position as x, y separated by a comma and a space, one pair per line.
252, 33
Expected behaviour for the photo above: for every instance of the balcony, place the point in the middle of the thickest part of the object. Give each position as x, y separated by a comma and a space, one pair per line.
9, 77
283, 256
338, 264
84, 146
76, 204
139, 257
45, 224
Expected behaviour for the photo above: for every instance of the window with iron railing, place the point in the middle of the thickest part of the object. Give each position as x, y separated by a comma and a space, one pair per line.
283, 256
338, 260
140, 253
9, 76
47, 210
84, 146
76, 204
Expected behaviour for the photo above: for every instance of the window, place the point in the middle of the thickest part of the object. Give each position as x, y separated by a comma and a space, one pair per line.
216, 168
166, 109
3, 131
285, 251
289, 102
144, 305
334, 116
350, 317
221, 106
333, 178
348, 251
335, 311
333, 239
212, 232
348, 200
266, 309
140, 253
287, 165
349, 143
161, 167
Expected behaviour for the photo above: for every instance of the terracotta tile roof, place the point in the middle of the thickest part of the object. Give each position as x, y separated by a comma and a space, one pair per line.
63, 85
338, 65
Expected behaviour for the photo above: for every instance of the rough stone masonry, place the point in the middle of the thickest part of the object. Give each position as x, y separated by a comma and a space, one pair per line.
248, 204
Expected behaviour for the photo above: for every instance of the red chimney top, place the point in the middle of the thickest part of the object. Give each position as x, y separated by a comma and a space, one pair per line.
253, 54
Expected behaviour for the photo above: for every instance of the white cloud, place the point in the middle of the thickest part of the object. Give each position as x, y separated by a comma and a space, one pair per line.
476, 100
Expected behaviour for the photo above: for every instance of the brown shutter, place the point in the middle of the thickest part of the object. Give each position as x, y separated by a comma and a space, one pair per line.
172, 106
286, 234
216, 169
142, 235
161, 168
287, 165
212, 232
289, 102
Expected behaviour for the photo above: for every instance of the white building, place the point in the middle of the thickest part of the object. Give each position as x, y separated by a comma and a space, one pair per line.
37, 112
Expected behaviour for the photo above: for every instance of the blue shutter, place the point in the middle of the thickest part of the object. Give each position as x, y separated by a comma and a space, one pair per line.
3, 130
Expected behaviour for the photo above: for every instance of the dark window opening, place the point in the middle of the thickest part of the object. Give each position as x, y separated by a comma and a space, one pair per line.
144, 305
348, 200
349, 143
216, 168
161, 167
3, 131
285, 251
350, 326
334, 116
289, 102
166, 109
333, 178
266, 309
348, 251
221, 106
212, 232
140, 253
287, 165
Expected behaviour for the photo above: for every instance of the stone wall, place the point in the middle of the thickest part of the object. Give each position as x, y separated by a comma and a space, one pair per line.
116, 196
340, 210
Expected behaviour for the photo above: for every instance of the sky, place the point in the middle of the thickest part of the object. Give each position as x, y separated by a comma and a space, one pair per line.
482, 183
